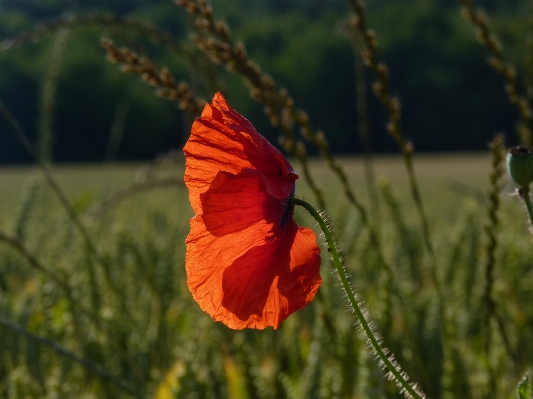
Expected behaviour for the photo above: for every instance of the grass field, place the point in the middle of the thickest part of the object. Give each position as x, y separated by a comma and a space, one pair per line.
117, 301
457, 177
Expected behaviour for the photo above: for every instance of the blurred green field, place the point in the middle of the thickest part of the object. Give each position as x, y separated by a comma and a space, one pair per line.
127, 308
444, 179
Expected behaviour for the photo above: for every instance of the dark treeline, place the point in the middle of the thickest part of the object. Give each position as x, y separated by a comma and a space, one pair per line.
451, 98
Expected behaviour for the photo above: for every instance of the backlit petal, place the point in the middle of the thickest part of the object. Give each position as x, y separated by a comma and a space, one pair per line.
248, 264
249, 285
223, 140
235, 202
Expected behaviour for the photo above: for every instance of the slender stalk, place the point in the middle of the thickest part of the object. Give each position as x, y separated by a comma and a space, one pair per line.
524, 194
48, 97
363, 125
507, 70
393, 107
54, 185
491, 231
144, 30
388, 361
14, 242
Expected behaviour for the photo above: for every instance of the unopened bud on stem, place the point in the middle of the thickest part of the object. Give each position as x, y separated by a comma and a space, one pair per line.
520, 165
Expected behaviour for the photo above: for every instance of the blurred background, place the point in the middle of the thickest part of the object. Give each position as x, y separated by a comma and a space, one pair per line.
451, 99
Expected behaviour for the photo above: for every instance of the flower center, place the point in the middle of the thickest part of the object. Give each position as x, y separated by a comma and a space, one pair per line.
288, 207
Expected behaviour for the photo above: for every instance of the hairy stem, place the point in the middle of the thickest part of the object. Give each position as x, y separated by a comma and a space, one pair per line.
410, 390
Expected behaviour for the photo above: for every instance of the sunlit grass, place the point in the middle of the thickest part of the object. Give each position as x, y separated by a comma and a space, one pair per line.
146, 324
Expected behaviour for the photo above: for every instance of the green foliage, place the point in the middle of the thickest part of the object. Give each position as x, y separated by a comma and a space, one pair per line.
524, 388
427, 45
133, 314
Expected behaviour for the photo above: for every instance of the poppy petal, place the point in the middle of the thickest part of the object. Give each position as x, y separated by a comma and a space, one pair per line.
207, 256
235, 202
248, 264
223, 140
244, 284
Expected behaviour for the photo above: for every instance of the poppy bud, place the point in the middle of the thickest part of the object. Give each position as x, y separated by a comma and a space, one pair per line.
520, 165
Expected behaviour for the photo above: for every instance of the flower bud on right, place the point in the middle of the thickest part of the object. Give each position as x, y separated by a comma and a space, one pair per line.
520, 165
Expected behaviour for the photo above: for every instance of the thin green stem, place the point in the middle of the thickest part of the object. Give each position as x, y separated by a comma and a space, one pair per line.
410, 390
524, 194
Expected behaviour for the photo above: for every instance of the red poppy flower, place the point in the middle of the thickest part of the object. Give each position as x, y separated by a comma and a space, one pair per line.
248, 264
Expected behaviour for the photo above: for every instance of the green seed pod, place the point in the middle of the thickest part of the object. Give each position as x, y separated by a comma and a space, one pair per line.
520, 165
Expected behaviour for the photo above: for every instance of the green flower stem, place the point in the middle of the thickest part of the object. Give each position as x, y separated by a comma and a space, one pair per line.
524, 194
389, 362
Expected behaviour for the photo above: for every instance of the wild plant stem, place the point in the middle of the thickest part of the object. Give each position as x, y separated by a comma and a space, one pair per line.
54, 185
389, 362
524, 194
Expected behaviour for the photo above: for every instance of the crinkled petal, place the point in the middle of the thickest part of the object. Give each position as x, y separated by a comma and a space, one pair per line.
235, 202
248, 264
223, 140
243, 281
